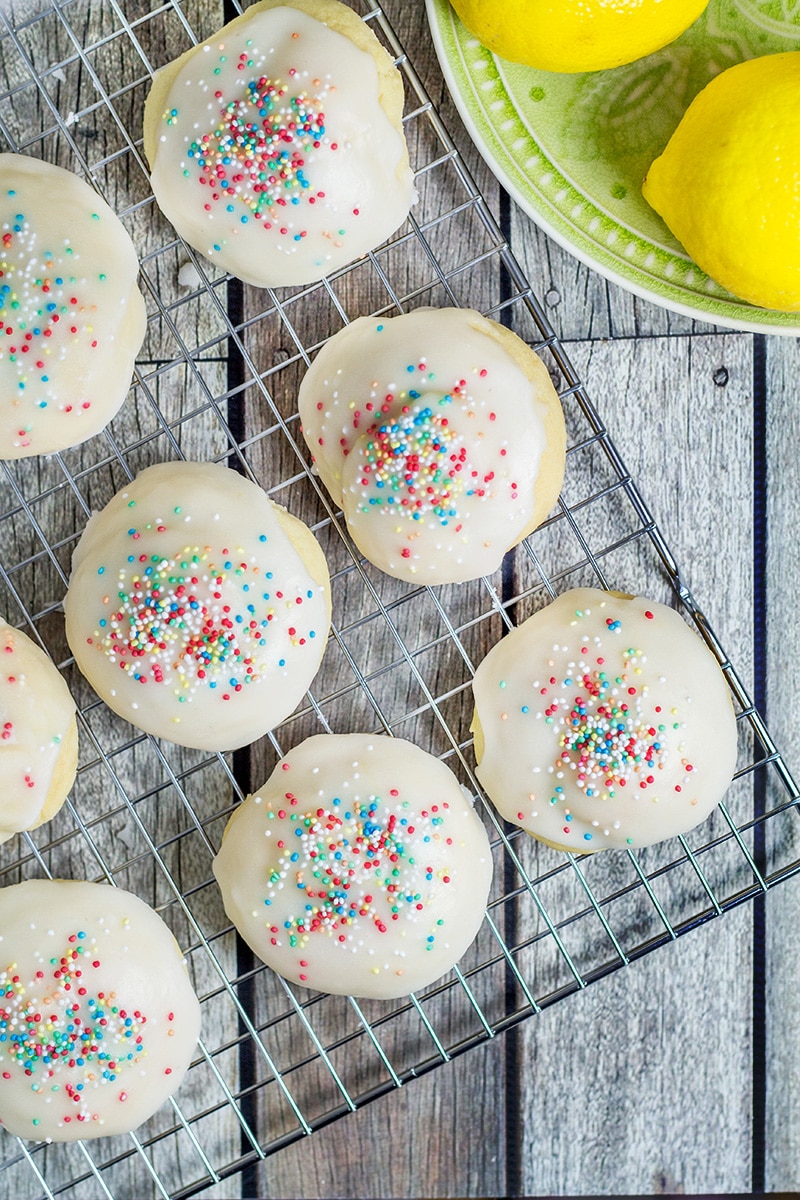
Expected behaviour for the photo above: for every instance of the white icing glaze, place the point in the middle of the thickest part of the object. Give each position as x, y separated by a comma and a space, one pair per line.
274, 157
97, 1016
71, 317
197, 608
360, 867
37, 733
431, 436
605, 722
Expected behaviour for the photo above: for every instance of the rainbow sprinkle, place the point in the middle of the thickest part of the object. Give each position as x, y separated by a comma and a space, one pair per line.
193, 619
416, 465
353, 862
43, 317
609, 733
259, 155
56, 1026
605, 733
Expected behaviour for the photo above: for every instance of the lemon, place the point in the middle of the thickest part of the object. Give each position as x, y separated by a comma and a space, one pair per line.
576, 35
728, 182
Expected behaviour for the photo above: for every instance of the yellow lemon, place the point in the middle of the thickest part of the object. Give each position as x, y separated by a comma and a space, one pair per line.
728, 182
576, 35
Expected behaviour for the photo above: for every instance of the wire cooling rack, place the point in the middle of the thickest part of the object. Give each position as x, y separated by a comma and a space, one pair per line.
217, 378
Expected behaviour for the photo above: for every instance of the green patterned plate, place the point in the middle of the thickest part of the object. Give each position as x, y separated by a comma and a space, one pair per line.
572, 149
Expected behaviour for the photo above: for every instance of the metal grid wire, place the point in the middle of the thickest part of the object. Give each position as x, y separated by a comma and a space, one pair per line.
217, 378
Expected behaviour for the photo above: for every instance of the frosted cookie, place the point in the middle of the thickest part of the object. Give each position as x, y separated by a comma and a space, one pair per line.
276, 146
197, 608
360, 867
98, 1020
440, 435
38, 735
71, 316
603, 721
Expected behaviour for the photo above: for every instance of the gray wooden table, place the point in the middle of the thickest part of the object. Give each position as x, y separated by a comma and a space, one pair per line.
679, 1072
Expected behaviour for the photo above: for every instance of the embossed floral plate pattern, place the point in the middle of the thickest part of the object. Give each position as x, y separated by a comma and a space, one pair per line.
573, 149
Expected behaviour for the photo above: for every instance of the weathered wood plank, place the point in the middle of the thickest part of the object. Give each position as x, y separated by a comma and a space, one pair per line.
611, 1080
782, 908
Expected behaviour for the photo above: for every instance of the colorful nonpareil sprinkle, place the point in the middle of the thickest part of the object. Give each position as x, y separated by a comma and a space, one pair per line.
415, 460
609, 732
45, 316
604, 722
196, 618
258, 159
353, 862
62, 1032
360, 867
414, 465
37, 719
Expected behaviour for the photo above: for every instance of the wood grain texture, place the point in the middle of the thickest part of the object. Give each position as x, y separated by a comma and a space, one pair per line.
612, 1080
782, 909
616, 1078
